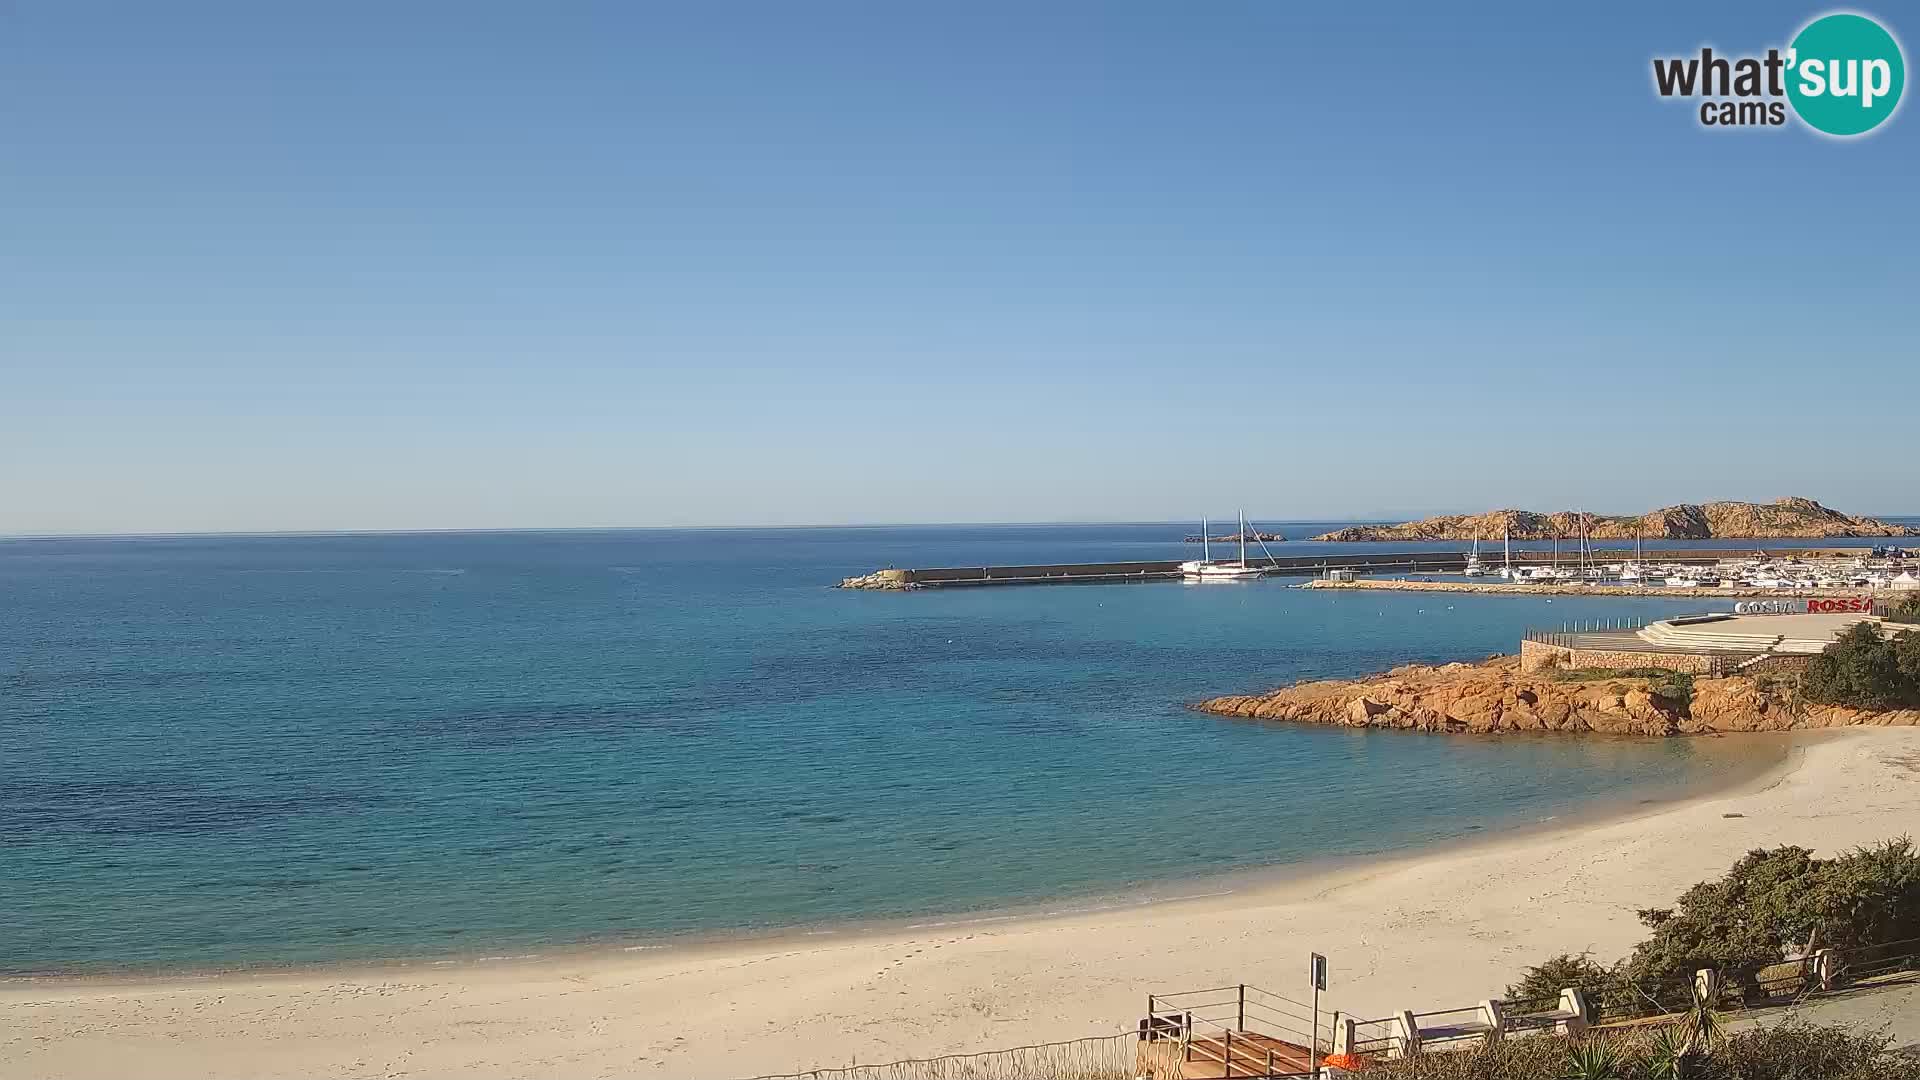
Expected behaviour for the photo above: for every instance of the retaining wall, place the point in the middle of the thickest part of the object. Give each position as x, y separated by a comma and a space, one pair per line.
1538, 656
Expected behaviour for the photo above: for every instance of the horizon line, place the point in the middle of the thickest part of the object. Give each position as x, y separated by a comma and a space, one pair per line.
187, 534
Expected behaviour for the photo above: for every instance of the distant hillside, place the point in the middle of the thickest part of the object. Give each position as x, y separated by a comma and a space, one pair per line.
1784, 518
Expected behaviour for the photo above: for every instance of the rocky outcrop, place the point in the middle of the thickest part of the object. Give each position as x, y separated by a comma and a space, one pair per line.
1495, 696
1793, 518
888, 580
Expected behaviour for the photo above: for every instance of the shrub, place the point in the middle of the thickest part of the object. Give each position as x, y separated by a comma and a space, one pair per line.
1795, 1050
1865, 670
1545, 980
1610, 674
1906, 611
1790, 1051
1777, 901
1674, 686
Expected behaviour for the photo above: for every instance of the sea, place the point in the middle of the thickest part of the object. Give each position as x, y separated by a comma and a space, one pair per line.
223, 752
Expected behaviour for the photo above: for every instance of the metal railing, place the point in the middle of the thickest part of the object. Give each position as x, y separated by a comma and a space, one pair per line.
1452, 1025
1378, 1038
1874, 963
1716, 663
1108, 1057
1244, 1030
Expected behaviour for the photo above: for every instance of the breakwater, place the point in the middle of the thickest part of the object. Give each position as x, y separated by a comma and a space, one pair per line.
1422, 562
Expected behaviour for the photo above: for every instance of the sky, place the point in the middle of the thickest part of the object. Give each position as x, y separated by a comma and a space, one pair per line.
479, 265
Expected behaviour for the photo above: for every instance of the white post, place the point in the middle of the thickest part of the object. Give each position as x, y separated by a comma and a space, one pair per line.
1406, 1035
1573, 1006
1823, 967
1342, 1033
1706, 987
1495, 1020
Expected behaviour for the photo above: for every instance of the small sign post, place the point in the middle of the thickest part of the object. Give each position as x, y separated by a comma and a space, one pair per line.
1317, 973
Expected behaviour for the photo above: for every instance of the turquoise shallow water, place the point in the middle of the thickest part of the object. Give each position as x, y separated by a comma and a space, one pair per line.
271, 750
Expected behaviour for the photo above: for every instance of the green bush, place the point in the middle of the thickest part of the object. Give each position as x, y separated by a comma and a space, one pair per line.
1906, 611
1791, 1051
1611, 674
1774, 902
1545, 980
1794, 1050
1865, 670
1674, 686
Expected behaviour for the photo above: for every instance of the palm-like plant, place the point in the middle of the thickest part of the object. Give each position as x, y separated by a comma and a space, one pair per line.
1669, 1055
1701, 1029
1595, 1059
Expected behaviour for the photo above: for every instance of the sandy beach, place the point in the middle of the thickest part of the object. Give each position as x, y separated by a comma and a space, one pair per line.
1437, 930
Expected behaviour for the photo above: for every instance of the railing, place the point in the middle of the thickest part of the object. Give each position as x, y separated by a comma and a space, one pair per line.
1246, 1031
1873, 963
1534, 1015
1626, 1003
1109, 1057
1453, 1025
1574, 636
1379, 1038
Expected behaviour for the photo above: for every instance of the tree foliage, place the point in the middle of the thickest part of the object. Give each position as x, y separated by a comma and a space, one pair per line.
1778, 902
1772, 904
1864, 670
1906, 611
1545, 980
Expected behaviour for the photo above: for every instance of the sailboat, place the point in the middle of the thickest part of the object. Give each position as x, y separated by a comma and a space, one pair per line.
1636, 569
1205, 569
1474, 568
1506, 545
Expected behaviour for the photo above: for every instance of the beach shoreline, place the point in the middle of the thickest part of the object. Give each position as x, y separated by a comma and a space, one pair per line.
1425, 930
1773, 757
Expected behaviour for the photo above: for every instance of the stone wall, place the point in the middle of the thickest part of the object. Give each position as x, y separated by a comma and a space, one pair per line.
1538, 656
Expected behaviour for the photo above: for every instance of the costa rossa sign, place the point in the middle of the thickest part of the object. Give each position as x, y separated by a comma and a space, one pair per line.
1835, 605
1819, 605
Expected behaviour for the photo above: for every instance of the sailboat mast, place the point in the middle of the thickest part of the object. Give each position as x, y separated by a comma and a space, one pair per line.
1206, 545
1243, 539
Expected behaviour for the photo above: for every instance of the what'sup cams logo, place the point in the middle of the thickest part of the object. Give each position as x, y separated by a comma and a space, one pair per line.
1842, 76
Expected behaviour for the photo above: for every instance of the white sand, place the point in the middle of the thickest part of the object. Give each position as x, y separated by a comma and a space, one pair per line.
1437, 931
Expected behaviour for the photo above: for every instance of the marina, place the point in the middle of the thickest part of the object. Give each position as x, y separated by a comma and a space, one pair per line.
1726, 572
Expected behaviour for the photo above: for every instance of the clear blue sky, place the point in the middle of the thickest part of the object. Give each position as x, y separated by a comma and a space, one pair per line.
370, 265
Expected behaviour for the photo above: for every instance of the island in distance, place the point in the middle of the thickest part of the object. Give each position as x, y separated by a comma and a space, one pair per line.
1781, 519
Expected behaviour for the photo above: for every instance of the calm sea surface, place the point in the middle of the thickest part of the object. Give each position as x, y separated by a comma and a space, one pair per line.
224, 751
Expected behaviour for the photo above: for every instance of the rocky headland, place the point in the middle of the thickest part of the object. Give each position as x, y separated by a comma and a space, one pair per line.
1494, 696
1789, 518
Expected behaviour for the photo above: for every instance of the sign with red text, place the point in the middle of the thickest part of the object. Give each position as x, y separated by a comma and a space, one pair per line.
1840, 605
1818, 605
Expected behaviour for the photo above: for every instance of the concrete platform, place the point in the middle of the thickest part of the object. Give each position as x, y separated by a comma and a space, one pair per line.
1753, 633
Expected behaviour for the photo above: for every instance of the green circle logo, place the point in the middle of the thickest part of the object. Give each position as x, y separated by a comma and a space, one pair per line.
1845, 74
